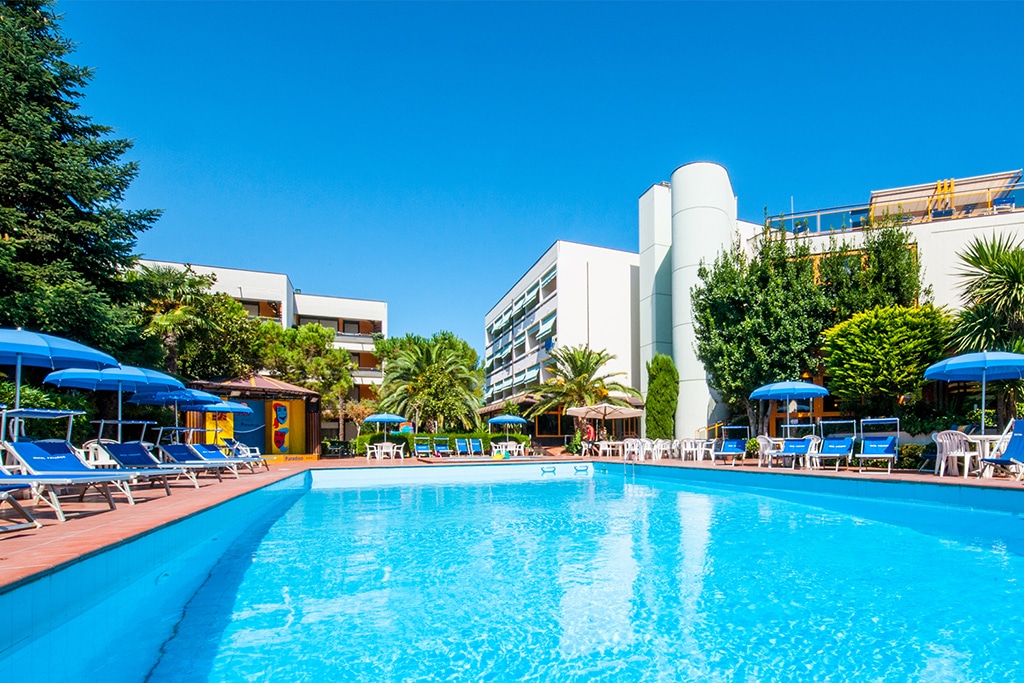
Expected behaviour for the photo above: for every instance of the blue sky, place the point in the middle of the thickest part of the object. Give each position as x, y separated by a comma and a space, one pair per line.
427, 154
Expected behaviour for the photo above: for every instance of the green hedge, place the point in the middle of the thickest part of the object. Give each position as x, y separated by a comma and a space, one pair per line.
410, 439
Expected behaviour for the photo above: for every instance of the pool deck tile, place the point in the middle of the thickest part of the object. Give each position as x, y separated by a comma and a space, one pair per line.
91, 526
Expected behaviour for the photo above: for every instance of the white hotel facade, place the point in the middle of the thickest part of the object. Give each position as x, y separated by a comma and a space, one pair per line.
689, 219
573, 295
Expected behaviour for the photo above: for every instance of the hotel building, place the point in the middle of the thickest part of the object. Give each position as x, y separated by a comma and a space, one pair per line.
272, 296
573, 295
693, 217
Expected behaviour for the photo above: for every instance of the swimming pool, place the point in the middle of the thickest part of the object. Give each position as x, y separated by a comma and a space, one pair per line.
517, 575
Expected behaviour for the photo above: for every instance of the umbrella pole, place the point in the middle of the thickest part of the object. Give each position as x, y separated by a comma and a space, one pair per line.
788, 418
983, 373
17, 382
119, 412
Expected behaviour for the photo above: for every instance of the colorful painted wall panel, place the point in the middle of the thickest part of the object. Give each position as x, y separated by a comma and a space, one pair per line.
286, 427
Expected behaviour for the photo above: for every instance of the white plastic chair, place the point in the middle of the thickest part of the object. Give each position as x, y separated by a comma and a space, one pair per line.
951, 445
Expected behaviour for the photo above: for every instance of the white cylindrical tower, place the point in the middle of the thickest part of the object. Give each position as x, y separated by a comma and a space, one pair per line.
703, 223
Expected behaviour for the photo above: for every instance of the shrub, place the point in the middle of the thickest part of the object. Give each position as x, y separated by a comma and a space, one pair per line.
876, 359
410, 439
662, 397
576, 445
909, 456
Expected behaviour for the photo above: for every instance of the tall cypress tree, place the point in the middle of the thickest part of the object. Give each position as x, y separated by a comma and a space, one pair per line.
65, 241
662, 397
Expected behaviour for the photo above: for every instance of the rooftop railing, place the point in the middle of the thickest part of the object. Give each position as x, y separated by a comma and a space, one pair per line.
940, 205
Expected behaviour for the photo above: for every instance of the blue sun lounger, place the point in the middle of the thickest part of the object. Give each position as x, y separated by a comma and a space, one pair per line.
836, 448
794, 449
421, 449
237, 449
6, 489
182, 454
134, 456
208, 451
880, 445
62, 456
476, 447
441, 448
876, 448
44, 489
736, 448
1011, 458
51, 471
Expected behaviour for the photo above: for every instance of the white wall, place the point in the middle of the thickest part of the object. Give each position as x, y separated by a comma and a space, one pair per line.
703, 220
597, 304
655, 300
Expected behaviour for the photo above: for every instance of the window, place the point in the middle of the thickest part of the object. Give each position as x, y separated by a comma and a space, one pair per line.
329, 323
350, 327
251, 309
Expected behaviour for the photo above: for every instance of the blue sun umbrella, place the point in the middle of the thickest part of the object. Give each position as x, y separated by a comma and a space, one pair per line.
178, 399
20, 347
506, 420
120, 379
980, 366
385, 418
223, 407
785, 391
220, 407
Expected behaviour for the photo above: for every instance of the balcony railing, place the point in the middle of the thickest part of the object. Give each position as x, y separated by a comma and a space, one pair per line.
942, 203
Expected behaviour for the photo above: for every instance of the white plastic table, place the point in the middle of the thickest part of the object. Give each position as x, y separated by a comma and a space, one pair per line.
611, 448
984, 442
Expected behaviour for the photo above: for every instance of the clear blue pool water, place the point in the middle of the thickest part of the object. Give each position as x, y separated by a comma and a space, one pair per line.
613, 578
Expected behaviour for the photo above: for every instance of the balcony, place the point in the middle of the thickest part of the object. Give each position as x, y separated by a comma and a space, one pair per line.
987, 195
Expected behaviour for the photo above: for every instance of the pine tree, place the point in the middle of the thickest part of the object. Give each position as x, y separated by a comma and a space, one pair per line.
65, 241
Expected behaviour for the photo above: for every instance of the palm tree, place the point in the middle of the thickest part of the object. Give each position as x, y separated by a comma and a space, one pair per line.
993, 296
993, 315
170, 296
432, 382
576, 381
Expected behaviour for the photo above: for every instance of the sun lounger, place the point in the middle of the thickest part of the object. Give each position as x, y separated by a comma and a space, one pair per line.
181, 454
1011, 456
835, 448
44, 489
792, 450
50, 468
736, 448
135, 456
462, 447
421, 449
476, 447
873, 447
441, 448
6, 489
237, 449
209, 451
149, 469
